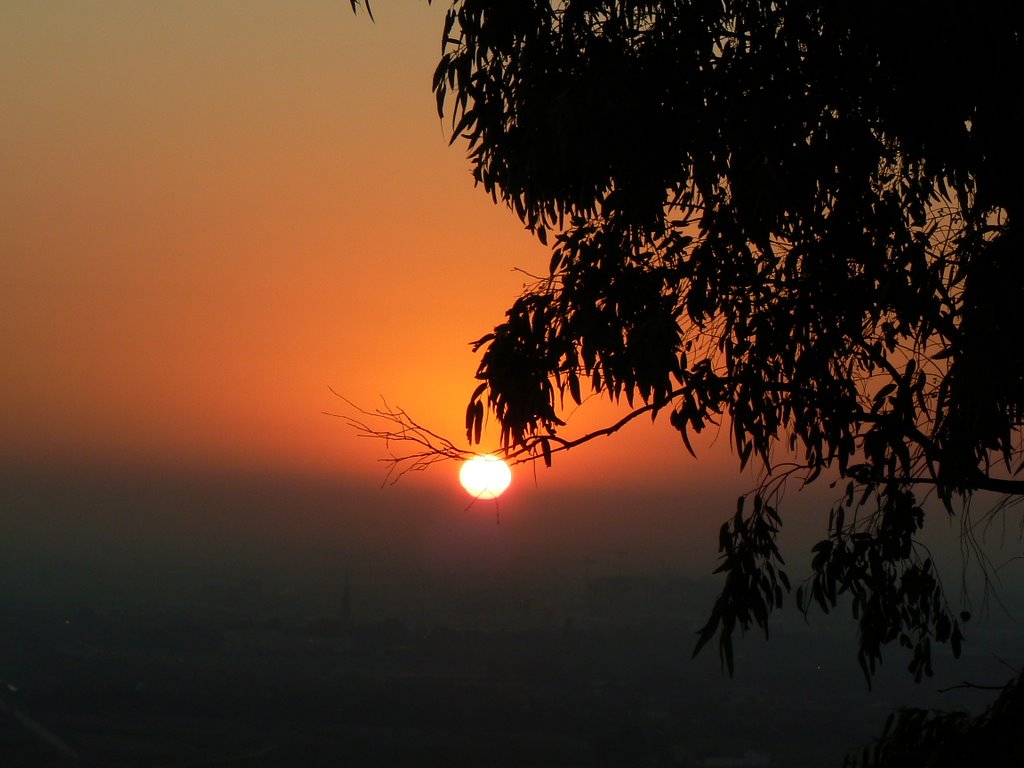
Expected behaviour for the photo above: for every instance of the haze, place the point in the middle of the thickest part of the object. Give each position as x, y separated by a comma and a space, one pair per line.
213, 213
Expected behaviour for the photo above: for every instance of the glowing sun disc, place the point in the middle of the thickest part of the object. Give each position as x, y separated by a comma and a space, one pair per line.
485, 477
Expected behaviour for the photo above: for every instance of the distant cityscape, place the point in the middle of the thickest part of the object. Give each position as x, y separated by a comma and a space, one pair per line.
439, 671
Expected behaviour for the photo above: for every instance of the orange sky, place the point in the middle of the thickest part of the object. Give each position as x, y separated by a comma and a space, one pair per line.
212, 212
215, 211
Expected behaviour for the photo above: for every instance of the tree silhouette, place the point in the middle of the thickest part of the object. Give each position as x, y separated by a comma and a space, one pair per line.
794, 218
916, 738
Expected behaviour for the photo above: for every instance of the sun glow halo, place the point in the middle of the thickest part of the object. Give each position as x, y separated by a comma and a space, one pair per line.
485, 477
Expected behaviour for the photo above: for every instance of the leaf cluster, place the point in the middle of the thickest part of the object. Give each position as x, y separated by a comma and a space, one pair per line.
917, 738
893, 589
754, 581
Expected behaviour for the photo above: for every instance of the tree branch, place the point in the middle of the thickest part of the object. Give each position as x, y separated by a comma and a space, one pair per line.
528, 451
426, 447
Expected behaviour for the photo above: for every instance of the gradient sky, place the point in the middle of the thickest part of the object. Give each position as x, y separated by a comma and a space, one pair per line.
213, 212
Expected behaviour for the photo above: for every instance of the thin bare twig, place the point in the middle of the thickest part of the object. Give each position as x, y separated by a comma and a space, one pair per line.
421, 447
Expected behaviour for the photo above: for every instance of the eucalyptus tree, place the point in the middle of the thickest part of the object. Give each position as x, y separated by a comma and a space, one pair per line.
794, 218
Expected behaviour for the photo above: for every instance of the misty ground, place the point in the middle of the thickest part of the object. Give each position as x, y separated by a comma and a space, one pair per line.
424, 669
183, 624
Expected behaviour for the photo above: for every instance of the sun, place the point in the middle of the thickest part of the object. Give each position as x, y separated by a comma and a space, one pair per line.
485, 477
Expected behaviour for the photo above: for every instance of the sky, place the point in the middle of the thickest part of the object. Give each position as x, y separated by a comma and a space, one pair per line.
216, 213
212, 214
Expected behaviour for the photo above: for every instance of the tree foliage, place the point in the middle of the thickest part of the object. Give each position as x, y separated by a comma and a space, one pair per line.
916, 738
794, 218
